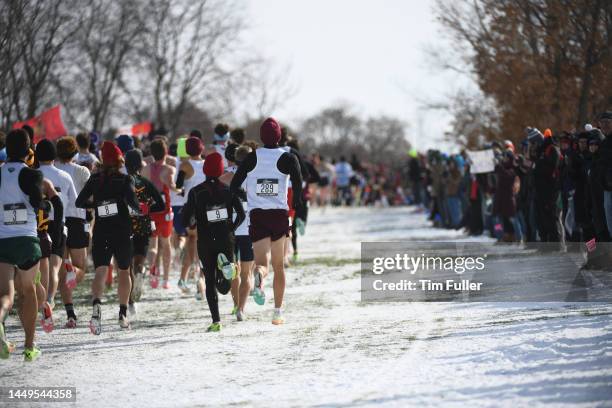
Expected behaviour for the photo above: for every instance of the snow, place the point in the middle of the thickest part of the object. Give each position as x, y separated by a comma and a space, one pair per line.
334, 350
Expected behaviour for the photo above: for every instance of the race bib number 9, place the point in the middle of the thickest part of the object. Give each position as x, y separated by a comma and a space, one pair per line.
267, 187
107, 209
15, 214
216, 215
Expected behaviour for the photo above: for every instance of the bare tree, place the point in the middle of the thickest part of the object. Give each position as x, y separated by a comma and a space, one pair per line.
186, 46
104, 47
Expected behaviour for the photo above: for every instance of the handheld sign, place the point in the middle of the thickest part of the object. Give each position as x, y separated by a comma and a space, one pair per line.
181, 148
482, 161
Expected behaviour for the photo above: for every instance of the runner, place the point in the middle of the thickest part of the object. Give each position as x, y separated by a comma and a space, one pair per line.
43, 218
211, 205
178, 238
110, 193
62, 182
267, 171
85, 157
162, 176
220, 139
244, 246
73, 268
20, 197
150, 200
190, 175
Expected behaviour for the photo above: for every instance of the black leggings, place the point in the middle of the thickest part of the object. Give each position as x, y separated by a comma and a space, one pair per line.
208, 250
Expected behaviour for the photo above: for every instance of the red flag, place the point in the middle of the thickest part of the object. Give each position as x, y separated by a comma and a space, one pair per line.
143, 128
47, 125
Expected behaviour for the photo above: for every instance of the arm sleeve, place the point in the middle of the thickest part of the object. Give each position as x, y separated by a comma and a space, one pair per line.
58, 214
288, 164
303, 167
82, 200
189, 209
30, 182
180, 179
247, 165
130, 195
240, 215
158, 201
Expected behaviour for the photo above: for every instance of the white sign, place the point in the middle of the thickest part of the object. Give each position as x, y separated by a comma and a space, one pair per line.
482, 161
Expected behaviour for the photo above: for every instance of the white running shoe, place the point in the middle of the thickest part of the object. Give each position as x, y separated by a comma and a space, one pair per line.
277, 317
226, 267
124, 323
132, 309
95, 324
138, 286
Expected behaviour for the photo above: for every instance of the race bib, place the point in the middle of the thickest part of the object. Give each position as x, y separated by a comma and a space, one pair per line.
107, 209
216, 214
15, 214
267, 187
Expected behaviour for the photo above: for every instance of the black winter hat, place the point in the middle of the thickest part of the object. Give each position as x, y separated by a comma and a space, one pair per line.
45, 151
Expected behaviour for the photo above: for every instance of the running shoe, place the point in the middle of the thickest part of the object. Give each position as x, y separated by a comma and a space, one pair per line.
240, 316
95, 324
132, 309
226, 267
71, 323
51, 302
153, 278
46, 318
295, 258
215, 327
258, 293
300, 225
199, 296
234, 310
5, 346
138, 286
165, 284
277, 317
71, 276
31, 354
182, 285
124, 323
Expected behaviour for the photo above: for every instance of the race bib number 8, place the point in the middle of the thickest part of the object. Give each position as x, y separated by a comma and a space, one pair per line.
216, 215
107, 209
15, 214
267, 187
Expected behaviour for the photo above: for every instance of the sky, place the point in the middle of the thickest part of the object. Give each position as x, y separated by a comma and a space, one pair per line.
370, 54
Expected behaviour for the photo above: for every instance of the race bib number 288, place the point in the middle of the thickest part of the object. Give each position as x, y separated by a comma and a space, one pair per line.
267, 187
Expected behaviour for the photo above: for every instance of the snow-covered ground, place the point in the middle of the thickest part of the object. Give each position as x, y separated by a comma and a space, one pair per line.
334, 350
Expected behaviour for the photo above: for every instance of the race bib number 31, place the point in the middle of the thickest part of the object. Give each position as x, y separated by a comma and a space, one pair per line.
15, 214
216, 215
267, 187
107, 209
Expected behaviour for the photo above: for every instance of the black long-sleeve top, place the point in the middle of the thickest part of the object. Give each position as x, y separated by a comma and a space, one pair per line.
117, 187
212, 195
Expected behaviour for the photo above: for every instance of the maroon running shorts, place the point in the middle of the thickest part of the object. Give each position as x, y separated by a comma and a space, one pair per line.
273, 224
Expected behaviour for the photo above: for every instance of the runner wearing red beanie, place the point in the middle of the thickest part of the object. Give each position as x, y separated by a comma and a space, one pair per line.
267, 172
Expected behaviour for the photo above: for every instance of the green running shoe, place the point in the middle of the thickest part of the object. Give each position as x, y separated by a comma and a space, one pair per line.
259, 296
5, 346
226, 267
300, 225
234, 310
214, 328
31, 354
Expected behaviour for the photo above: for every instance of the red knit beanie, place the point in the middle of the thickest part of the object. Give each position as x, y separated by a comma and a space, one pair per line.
194, 146
213, 165
111, 153
270, 132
